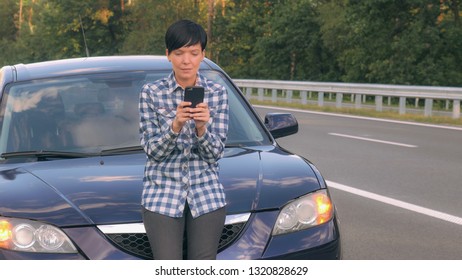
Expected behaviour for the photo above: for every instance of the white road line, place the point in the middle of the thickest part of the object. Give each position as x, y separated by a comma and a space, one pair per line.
398, 203
373, 140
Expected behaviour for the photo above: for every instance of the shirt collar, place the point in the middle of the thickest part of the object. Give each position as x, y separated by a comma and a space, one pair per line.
201, 80
173, 84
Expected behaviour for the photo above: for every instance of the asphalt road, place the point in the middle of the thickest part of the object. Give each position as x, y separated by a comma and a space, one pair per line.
397, 186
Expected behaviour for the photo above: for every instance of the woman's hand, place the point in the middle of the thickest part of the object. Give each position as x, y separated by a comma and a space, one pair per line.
183, 114
201, 116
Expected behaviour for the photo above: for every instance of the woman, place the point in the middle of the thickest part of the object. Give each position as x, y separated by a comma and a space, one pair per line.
182, 192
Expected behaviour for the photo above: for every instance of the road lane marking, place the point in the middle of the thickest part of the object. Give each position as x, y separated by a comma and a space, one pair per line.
398, 203
373, 140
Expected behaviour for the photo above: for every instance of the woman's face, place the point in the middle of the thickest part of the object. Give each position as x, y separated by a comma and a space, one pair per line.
185, 63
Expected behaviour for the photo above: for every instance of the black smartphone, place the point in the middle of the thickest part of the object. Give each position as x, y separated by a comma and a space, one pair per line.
195, 95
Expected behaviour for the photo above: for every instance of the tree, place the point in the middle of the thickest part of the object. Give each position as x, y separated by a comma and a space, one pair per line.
369, 41
238, 26
291, 47
397, 42
150, 19
9, 32
57, 29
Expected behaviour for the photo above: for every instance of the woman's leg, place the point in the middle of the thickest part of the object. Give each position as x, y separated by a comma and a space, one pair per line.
165, 235
203, 234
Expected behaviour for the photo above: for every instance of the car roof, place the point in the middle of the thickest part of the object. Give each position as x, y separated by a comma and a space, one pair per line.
88, 65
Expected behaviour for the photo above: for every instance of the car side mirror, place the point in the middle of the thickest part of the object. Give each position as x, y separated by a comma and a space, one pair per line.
281, 124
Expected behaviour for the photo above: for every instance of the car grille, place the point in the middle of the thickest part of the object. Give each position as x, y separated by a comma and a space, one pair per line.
137, 243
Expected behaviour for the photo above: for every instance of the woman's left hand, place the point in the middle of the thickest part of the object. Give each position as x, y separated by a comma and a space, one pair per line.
201, 116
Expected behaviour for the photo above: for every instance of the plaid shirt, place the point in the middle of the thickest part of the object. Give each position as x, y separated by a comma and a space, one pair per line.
181, 167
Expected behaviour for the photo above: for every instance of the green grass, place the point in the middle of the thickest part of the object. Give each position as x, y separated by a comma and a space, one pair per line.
440, 120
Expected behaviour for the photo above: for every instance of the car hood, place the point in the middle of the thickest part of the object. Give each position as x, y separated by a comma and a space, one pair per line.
107, 190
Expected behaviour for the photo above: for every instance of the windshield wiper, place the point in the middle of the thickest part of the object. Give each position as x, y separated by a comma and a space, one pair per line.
234, 145
121, 150
45, 154
63, 154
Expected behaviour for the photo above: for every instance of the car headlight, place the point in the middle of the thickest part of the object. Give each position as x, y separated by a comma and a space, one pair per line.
31, 236
305, 212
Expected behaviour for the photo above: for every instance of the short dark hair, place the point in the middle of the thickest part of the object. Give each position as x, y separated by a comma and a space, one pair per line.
185, 33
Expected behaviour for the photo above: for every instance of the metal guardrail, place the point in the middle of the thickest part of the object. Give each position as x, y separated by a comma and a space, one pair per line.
266, 89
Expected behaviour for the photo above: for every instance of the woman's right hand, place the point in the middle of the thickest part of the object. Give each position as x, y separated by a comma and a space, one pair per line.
183, 114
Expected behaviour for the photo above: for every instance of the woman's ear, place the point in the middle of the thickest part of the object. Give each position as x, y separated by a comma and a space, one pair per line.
166, 53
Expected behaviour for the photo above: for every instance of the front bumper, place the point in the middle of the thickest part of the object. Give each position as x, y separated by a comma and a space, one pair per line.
253, 242
256, 241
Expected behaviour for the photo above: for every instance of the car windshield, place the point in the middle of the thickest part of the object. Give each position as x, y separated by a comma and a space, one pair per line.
90, 114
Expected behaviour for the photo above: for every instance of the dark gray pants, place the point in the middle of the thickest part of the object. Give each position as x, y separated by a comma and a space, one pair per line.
166, 234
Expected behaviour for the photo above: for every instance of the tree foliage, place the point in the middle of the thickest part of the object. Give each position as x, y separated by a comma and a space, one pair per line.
369, 41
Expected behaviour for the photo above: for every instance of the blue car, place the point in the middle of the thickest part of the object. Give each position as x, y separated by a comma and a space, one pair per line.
71, 168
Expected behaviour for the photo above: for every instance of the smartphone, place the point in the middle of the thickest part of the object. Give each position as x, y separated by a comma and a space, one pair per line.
195, 95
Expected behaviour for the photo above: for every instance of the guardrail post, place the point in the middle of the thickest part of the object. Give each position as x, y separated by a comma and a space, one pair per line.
289, 96
274, 95
428, 107
456, 109
338, 100
320, 99
248, 93
260, 94
358, 98
303, 96
379, 103
402, 105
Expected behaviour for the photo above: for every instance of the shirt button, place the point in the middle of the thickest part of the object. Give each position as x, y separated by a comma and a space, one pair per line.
185, 167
